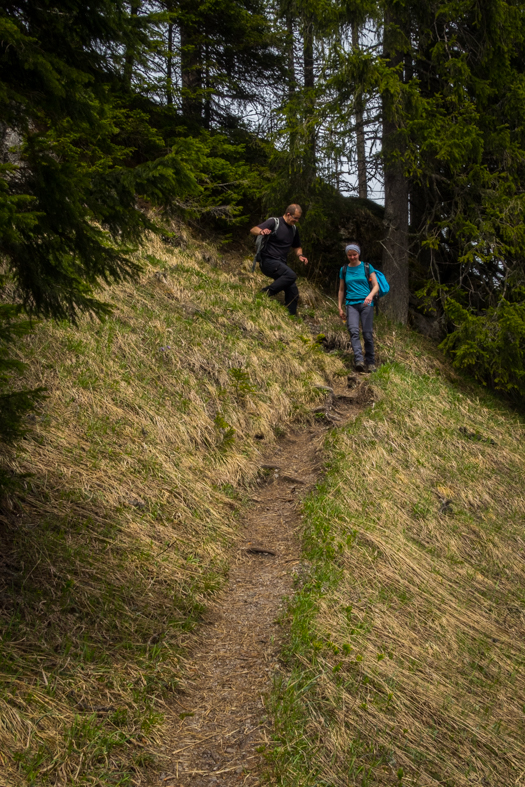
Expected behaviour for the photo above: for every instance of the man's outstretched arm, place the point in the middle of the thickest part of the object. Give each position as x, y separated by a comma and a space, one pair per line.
301, 256
258, 231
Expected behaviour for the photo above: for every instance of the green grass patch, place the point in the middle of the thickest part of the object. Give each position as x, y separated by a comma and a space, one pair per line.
406, 660
137, 465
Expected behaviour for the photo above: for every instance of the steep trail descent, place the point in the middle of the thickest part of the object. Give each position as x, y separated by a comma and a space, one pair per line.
218, 726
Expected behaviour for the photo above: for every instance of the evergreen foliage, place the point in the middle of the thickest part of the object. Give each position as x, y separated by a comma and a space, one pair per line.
69, 201
467, 151
86, 155
230, 59
445, 83
491, 345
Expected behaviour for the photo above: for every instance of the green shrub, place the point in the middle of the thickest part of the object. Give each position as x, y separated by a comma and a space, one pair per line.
490, 346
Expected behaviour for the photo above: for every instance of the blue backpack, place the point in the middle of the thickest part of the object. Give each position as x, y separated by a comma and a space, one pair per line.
384, 286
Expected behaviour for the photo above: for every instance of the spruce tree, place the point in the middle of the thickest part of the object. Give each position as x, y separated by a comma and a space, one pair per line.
231, 58
68, 182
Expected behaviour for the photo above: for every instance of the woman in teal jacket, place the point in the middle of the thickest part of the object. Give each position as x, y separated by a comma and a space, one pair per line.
359, 306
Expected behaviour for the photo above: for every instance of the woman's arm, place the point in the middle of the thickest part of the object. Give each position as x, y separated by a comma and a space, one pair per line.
375, 289
340, 296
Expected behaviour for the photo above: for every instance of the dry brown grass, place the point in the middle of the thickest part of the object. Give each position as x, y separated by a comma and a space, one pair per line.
416, 650
138, 462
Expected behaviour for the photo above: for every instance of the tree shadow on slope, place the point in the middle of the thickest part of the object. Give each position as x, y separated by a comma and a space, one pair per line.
93, 614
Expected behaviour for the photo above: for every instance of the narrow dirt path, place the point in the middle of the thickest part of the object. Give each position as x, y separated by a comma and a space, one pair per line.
219, 722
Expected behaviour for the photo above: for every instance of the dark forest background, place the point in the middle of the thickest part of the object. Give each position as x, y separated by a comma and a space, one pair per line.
399, 123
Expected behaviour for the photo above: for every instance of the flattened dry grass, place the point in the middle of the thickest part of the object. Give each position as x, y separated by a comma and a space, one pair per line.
138, 462
407, 659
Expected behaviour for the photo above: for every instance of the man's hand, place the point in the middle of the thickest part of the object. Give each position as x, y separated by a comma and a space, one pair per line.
265, 232
303, 259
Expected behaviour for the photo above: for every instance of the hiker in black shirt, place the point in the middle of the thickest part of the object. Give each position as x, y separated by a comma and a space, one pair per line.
275, 254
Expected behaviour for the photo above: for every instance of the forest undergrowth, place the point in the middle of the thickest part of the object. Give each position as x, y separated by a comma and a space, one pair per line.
405, 663
137, 464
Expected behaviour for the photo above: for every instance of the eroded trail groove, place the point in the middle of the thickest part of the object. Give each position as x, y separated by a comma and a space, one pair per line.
219, 722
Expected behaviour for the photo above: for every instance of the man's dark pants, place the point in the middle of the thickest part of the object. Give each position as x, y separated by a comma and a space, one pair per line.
284, 279
366, 314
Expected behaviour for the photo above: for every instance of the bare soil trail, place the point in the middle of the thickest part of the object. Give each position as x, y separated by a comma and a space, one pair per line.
218, 724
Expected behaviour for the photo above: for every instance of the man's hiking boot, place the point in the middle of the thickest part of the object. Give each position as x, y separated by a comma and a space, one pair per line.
359, 367
371, 367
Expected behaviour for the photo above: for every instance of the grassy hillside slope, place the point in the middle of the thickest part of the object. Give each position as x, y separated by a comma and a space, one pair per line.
137, 463
406, 662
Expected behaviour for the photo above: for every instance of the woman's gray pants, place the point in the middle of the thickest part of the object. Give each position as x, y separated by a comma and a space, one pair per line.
354, 313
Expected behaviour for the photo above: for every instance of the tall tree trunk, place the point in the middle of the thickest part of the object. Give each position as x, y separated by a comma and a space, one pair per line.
290, 55
308, 50
169, 66
359, 129
395, 243
207, 85
418, 213
309, 87
129, 61
191, 70
291, 86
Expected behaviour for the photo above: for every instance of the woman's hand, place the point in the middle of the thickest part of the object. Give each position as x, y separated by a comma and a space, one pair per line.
368, 300
342, 315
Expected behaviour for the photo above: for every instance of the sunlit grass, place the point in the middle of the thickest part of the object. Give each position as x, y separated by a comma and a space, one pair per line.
407, 656
138, 462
